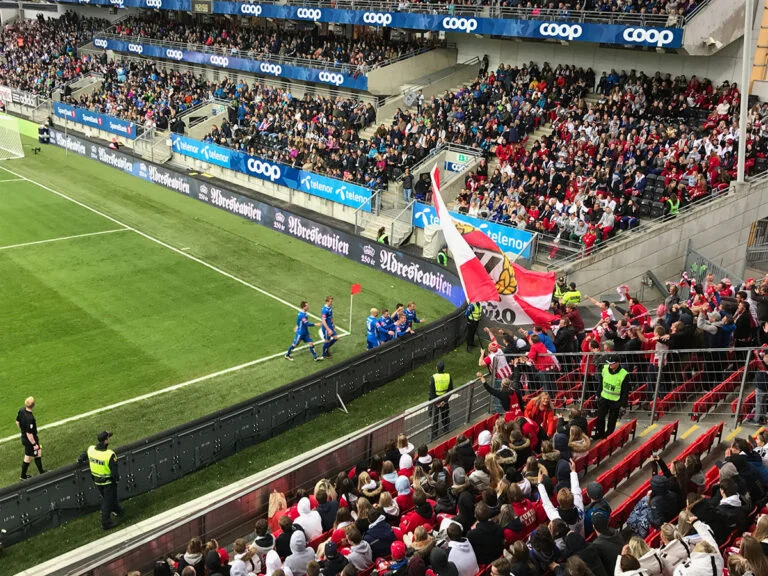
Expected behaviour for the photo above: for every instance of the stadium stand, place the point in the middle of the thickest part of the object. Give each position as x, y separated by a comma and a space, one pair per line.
41, 55
364, 52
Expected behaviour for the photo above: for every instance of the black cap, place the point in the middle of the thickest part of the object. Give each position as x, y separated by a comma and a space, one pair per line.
103, 435
440, 365
612, 359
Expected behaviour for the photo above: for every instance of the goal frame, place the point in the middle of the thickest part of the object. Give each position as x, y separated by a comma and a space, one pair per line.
10, 125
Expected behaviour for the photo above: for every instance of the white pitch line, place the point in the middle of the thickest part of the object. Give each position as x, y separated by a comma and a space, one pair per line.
158, 392
12, 179
36, 242
165, 245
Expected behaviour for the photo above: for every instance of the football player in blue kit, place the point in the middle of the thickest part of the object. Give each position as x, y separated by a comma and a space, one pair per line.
301, 332
327, 328
372, 329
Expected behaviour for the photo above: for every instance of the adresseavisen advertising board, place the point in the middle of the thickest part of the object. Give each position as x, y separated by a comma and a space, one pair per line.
421, 273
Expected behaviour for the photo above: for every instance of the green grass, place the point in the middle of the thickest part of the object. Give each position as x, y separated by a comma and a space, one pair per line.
388, 400
95, 320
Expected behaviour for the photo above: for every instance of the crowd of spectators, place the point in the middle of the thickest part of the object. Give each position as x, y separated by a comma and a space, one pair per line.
509, 504
40, 55
366, 51
648, 146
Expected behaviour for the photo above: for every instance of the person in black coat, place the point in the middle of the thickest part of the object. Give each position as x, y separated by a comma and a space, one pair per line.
379, 534
334, 561
608, 544
464, 453
663, 504
576, 545
327, 509
283, 541
487, 538
509, 394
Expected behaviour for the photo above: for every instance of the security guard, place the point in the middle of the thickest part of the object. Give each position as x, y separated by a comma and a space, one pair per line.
613, 395
440, 386
103, 464
560, 288
474, 313
673, 206
571, 296
382, 237
442, 257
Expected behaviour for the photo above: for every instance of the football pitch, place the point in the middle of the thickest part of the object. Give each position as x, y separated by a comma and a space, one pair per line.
129, 307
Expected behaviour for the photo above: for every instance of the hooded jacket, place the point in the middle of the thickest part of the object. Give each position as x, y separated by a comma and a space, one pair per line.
575, 544
440, 564
573, 517
663, 505
701, 563
404, 496
460, 552
360, 556
264, 543
419, 516
732, 515
309, 520
380, 537
674, 553
301, 555
601, 505
273, 563
549, 461
197, 561
466, 506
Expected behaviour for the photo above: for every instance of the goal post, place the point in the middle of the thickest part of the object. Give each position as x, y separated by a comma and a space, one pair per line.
10, 139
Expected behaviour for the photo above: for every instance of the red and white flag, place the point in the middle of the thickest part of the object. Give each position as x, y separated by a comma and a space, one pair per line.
524, 295
478, 285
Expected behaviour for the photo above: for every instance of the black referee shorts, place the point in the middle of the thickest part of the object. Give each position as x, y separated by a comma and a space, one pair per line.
28, 450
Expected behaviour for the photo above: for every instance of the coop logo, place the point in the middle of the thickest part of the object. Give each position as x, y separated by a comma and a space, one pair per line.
231, 203
135, 48
202, 193
308, 13
118, 3
648, 36
174, 54
331, 78
261, 168
219, 61
314, 235
412, 271
250, 9
100, 43
274, 69
154, 3
455, 166
380, 18
562, 31
279, 223
462, 24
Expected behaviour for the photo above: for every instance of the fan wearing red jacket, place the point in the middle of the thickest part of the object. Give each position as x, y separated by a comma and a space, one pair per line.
539, 409
531, 514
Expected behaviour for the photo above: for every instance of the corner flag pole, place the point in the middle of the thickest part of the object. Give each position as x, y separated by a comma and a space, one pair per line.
354, 290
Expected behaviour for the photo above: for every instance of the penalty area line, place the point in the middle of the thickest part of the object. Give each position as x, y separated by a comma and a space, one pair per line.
341, 331
156, 393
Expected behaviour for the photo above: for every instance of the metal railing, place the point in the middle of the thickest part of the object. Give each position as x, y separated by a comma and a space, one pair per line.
362, 216
345, 68
694, 383
408, 213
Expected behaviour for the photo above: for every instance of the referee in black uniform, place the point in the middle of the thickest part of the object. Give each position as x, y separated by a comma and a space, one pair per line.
25, 420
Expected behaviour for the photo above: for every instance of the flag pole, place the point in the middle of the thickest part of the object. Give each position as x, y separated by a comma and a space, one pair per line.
351, 297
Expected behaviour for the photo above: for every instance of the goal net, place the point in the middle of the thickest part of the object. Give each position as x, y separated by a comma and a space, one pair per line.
10, 139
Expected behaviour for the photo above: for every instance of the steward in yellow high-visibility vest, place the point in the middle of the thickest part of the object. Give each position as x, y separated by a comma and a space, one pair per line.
571, 296
673, 205
560, 288
474, 313
102, 462
612, 395
440, 386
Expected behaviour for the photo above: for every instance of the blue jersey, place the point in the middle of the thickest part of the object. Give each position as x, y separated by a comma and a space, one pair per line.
384, 326
302, 328
327, 314
371, 327
410, 317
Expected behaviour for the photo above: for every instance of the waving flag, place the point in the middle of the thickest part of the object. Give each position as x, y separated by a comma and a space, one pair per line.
524, 295
475, 280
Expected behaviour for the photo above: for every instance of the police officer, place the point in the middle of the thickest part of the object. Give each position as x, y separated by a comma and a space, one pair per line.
613, 395
571, 296
103, 464
440, 386
442, 257
27, 424
474, 313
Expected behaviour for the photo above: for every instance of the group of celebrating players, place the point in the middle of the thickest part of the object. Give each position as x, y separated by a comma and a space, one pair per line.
379, 329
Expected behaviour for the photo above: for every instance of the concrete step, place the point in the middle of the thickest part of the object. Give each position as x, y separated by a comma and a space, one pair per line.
397, 229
